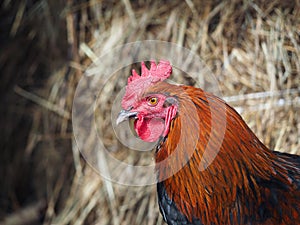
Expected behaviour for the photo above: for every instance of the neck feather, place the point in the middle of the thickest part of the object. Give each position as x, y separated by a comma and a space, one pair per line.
204, 162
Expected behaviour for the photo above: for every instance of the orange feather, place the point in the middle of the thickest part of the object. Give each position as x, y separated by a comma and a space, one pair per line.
246, 183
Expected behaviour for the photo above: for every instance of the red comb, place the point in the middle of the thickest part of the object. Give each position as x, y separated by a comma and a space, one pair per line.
138, 84
159, 72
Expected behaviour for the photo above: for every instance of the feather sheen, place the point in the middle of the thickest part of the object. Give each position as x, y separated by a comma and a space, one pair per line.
221, 175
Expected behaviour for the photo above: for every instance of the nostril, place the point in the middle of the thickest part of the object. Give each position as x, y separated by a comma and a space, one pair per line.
125, 115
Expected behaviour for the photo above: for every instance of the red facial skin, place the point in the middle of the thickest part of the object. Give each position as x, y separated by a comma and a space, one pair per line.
153, 120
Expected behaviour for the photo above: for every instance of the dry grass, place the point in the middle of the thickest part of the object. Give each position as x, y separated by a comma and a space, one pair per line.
253, 49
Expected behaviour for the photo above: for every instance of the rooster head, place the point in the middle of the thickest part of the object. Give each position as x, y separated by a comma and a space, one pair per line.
152, 110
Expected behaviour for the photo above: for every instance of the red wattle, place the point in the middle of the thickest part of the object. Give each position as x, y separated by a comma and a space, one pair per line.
149, 130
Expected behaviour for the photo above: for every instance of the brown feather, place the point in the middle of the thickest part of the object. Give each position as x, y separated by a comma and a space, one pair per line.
238, 183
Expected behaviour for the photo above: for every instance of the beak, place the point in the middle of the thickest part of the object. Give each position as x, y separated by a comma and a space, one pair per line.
125, 115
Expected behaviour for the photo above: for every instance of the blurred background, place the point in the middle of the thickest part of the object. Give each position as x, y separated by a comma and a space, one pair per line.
253, 48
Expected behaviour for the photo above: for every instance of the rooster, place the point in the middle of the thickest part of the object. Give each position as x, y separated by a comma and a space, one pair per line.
210, 167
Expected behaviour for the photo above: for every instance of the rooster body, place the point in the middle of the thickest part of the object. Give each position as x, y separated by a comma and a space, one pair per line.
208, 171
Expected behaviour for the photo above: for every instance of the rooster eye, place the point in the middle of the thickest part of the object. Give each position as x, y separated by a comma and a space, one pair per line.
152, 101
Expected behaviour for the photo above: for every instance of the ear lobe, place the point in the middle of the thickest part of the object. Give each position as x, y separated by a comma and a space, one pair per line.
170, 101
170, 115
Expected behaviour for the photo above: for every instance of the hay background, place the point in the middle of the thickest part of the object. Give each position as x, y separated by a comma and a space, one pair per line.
252, 46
